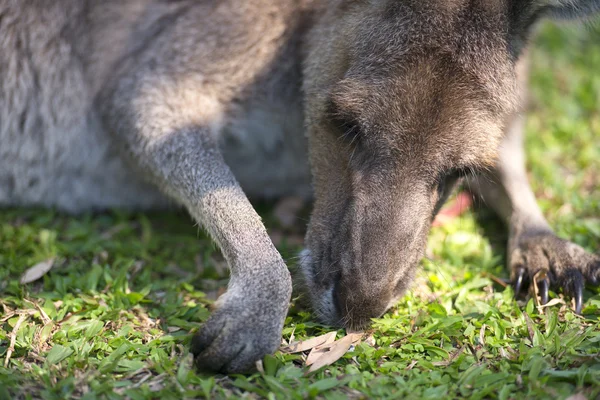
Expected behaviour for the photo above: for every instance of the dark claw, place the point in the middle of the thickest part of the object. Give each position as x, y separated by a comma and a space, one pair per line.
578, 299
519, 281
543, 286
577, 290
594, 280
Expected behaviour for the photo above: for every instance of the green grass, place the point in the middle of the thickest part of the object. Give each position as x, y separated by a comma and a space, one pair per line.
113, 317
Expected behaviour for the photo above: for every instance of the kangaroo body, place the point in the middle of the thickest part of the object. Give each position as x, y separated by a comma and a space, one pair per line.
55, 62
205, 104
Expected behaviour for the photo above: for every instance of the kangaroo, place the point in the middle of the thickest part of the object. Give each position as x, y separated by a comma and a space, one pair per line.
377, 108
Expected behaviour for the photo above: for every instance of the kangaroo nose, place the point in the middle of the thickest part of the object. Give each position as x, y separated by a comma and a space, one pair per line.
356, 309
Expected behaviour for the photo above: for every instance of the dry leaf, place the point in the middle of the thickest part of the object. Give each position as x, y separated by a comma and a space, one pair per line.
412, 365
260, 367
319, 350
482, 335
356, 337
45, 318
335, 352
13, 338
308, 344
552, 302
292, 337
578, 396
324, 349
37, 271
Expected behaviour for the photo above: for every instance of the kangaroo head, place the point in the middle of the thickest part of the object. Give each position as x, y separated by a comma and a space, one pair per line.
402, 97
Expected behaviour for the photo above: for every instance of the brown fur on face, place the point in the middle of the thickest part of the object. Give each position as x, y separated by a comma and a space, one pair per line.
403, 95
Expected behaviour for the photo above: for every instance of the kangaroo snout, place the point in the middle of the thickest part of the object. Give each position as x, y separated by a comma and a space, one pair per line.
361, 256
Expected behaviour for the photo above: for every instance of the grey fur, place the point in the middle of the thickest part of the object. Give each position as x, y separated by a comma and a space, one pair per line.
147, 103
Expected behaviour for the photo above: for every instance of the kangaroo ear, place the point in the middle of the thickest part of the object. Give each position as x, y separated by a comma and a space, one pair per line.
570, 9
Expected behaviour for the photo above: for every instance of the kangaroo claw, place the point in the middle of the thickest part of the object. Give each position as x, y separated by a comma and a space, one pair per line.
577, 284
519, 281
543, 287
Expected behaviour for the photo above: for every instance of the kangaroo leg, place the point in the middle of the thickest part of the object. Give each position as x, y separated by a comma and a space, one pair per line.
169, 131
535, 253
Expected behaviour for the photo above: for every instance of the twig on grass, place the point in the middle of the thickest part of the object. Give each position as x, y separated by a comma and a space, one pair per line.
13, 339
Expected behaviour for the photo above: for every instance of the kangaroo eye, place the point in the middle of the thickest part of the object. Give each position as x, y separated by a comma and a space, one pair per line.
347, 128
457, 173
450, 176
